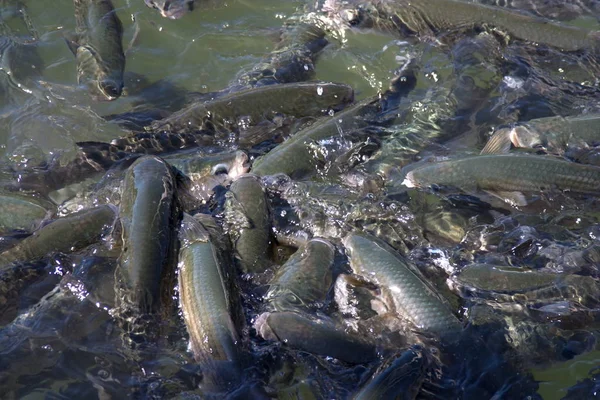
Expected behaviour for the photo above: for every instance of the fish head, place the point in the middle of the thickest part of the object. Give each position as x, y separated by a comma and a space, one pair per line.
525, 136
172, 9
103, 83
285, 300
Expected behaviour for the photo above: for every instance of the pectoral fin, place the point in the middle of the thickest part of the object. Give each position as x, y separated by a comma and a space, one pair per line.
499, 143
515, 199
72, 41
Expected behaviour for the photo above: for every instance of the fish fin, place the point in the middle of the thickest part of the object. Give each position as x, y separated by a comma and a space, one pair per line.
499, 143
515, 199
192, 230
72, 41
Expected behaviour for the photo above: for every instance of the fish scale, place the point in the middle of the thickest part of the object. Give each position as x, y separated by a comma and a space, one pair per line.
413, 298
508, 172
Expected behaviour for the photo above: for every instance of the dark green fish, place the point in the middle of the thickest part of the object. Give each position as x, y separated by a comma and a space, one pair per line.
507, 175
207, 304
65, 235
17, 279
432, 16
292, 60
148, 215
252, 106
314, 336
553, 134
555, 9
173, 9
20, 212
407, 291
248, 217
400, 380
97, 46
294, 157
304, 280
504, 279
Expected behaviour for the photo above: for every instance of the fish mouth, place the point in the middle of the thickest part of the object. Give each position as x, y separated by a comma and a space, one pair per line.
107, 90
176, 11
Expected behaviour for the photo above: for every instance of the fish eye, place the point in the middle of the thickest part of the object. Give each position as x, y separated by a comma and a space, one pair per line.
110, 88
292, 299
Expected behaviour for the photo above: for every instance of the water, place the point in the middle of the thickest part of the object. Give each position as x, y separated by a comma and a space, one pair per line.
69, 346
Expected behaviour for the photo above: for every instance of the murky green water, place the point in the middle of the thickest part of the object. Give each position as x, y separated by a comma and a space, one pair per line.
203, 52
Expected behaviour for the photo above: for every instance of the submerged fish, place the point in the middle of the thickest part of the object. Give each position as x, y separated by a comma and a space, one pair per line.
252, 106
314, 336
172, 9
294, 157
407, 292
400, 380
432, 16
19, 212
555, 9
207, 304
97, 46
507, 175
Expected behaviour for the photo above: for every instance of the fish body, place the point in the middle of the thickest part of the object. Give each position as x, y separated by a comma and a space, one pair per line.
508, 173
98, 48
206, 302
65, 234
412, 297
304, 280
294, 156
173, 9
314, 336
400, 380
148, 215
554, 134
247, 214
503, 279
252, 106
18, 212
432, 16
292, 60
563, 10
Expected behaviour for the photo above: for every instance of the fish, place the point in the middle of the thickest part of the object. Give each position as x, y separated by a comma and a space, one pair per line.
19, 212
401, 379
504, 279
305, 278
249, 107
66, 235
292, 60
564, 10
294, 157
172, 9
407, 291
98, 47
314, 336
148, 214
508, 175
248, 217
553, 134
428, 17
207, 302
19, 278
